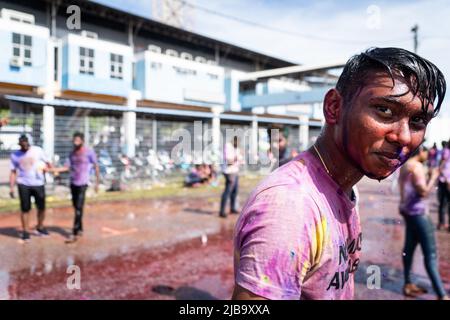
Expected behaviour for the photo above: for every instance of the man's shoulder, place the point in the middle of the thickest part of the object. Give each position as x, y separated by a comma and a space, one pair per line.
294, 172
17, 154
290, 183
415, 167
90, 151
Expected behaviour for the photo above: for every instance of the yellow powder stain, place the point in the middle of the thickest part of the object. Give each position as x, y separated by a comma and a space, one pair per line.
319, 241
305, 268
265, 279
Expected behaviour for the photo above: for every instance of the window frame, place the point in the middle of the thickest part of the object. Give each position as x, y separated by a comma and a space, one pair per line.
116, 66
86, 61
22, 47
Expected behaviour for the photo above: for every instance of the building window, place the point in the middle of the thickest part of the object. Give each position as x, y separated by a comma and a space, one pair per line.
156, 65
213, 76
184, 71
86, 61
22, 48
116, 66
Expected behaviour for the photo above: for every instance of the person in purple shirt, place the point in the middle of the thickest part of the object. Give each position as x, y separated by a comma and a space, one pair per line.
414, 190
79, 163
444, 187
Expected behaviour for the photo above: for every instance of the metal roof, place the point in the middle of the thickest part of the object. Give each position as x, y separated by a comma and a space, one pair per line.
292, 70
157, 111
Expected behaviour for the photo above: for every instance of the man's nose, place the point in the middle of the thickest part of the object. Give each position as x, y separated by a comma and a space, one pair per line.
401, 134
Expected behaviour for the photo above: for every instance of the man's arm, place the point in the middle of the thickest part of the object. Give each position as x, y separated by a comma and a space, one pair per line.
64, 168
12, 182
97, 176
241, 293
423, 187
59, 170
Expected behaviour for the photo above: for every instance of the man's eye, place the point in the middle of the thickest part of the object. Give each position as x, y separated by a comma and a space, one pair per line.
385, 111
419, 121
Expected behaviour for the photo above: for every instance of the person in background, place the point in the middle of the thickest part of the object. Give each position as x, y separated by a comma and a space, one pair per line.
28, 166
196, 177
414, 190
4, 122
232, 160
444, 187
432, 157
279, 151
79, 164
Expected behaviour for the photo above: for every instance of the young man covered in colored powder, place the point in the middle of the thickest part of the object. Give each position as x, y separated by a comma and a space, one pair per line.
80, 163
28, 167
299, 236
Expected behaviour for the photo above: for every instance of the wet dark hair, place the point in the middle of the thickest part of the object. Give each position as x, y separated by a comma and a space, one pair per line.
23, 137
424, 79
79, 135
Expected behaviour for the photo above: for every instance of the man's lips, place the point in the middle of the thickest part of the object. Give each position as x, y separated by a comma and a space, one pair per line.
390, 159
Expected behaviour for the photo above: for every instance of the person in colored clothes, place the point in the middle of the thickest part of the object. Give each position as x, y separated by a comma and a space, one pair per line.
432, 156
414, 190
28, 166
299, 236
232, 161
80, 163
444, 187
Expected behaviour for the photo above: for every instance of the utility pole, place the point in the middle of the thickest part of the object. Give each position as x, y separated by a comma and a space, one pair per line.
415, 30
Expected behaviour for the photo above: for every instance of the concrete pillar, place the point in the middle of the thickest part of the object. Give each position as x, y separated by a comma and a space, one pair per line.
48, 111
48, 126
155, 135
129, 123
216, 134
303, 131
87, 136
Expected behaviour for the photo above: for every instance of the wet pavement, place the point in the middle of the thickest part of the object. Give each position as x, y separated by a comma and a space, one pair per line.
179, 248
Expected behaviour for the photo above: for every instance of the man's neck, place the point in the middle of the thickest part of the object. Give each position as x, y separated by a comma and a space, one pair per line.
341, 170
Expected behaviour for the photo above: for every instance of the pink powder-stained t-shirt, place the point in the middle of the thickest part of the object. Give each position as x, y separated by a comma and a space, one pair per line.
298, 236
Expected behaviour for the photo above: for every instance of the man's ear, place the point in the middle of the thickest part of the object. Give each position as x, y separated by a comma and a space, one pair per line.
332, 106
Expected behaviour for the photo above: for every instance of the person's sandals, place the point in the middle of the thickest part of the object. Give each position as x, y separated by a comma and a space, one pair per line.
413, 290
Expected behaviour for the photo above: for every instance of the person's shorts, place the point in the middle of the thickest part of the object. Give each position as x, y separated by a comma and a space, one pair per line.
25, 194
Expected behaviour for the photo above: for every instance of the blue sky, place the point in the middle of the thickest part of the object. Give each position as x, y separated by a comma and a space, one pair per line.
325, 30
